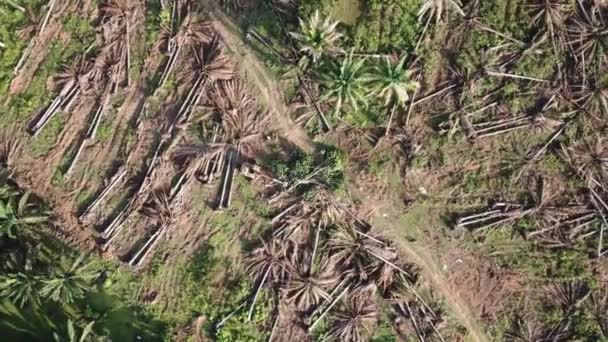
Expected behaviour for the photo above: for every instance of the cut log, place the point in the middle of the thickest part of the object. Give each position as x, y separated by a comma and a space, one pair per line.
115, 180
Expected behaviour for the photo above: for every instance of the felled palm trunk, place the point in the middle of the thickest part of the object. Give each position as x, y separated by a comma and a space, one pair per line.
501, 126
175, 49
47, 16
90, 135
148, 247
191, 101
63, 100
116, 179
227, 184
500, 213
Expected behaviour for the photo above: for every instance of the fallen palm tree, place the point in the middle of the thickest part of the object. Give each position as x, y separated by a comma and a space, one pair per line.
210, 64
233, 141
328, 264
73, 81
160, 207
111, 184
111, 70
183, 38
118, 19
558, 225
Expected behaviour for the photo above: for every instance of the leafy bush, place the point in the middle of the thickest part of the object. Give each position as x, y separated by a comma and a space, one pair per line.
300, 165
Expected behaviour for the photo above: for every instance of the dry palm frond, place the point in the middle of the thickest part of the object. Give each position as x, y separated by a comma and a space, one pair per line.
587, 34
594, 97
550, 15
424, 319
569, 295
243, 124
266, 261
9, 145
530, 330
598, 304
159, 206
590, 160
361, 254
75, 75
209, 61
354, 321
439, 9
307, 289
194, 31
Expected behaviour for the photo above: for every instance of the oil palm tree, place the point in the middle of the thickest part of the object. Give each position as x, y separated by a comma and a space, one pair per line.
21, 288
587, 37
392, 83
438, 10
354, 321
66, 285
598, 305
318, 36
344, 83
18, 218
121, 16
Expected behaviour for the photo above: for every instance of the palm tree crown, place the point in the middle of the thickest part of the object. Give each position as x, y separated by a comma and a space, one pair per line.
344, 82
17, 218
67, 285
392, 82
318, 36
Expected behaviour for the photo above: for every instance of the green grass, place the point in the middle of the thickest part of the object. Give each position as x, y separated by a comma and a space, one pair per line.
347, 11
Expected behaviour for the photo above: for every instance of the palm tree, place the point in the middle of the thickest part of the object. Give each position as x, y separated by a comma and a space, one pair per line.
437, 9
72, 82
242, 122
75, 336
192, 33
392, 82
344, 83
587, 36
318, 36
18, 219
67, 285
122, 16
354, 321
424, 318
21, 288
